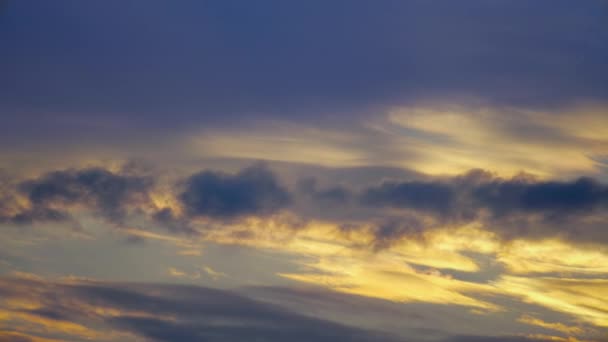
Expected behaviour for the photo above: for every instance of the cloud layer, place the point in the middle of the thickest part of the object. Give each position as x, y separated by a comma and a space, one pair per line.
178, 64
519, 207
159, 312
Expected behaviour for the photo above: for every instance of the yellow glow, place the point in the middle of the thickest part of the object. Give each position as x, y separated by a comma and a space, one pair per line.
215, 275
490, 139
344, 261
547, 256
544, 337
190, 252
282, 142
190, 245
15, 336
586, 299
164, 198
434, 139
47, 323
566, 329
384, 276
176, 273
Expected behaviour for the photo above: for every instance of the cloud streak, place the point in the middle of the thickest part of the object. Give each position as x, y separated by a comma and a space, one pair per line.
161, 313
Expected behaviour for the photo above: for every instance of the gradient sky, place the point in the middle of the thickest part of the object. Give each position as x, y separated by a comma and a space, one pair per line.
278, 170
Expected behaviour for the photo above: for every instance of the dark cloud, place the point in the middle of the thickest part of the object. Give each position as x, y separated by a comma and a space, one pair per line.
30, 216
390, 231
106, 192
182, 64
178, 312
252, 191
169, 220
283, 327
14, 212
427, 196
478, 190
517, 207
521, 206
506, 196
49, 197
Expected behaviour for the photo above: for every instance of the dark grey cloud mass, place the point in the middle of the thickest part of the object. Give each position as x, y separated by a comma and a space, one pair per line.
507, 196
73, 69
517, 207
33, 215
479, 190
107, 192
104, 192
252, 191
427, 196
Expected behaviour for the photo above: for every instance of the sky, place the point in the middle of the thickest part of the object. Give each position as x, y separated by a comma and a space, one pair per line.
281, 170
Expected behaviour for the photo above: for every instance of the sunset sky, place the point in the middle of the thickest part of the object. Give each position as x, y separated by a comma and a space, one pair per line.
311, 170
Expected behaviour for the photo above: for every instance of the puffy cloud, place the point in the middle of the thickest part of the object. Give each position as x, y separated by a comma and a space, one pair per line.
252, 191
521, 206
480, 190
52, 196
564, 198
517, 207
101, 189
429, 196
29, 216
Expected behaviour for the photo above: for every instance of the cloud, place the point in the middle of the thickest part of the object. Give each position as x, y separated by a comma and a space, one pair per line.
479, 189
205, 59
506, 196
252, 191
170, 312
13, 211
426, 196
583, 297
521, 206
104, 191
518, 207
11, 336
30, 216
57, 195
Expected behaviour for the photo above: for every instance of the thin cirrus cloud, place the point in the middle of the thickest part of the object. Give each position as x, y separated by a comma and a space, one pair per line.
106, 311
157, 312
